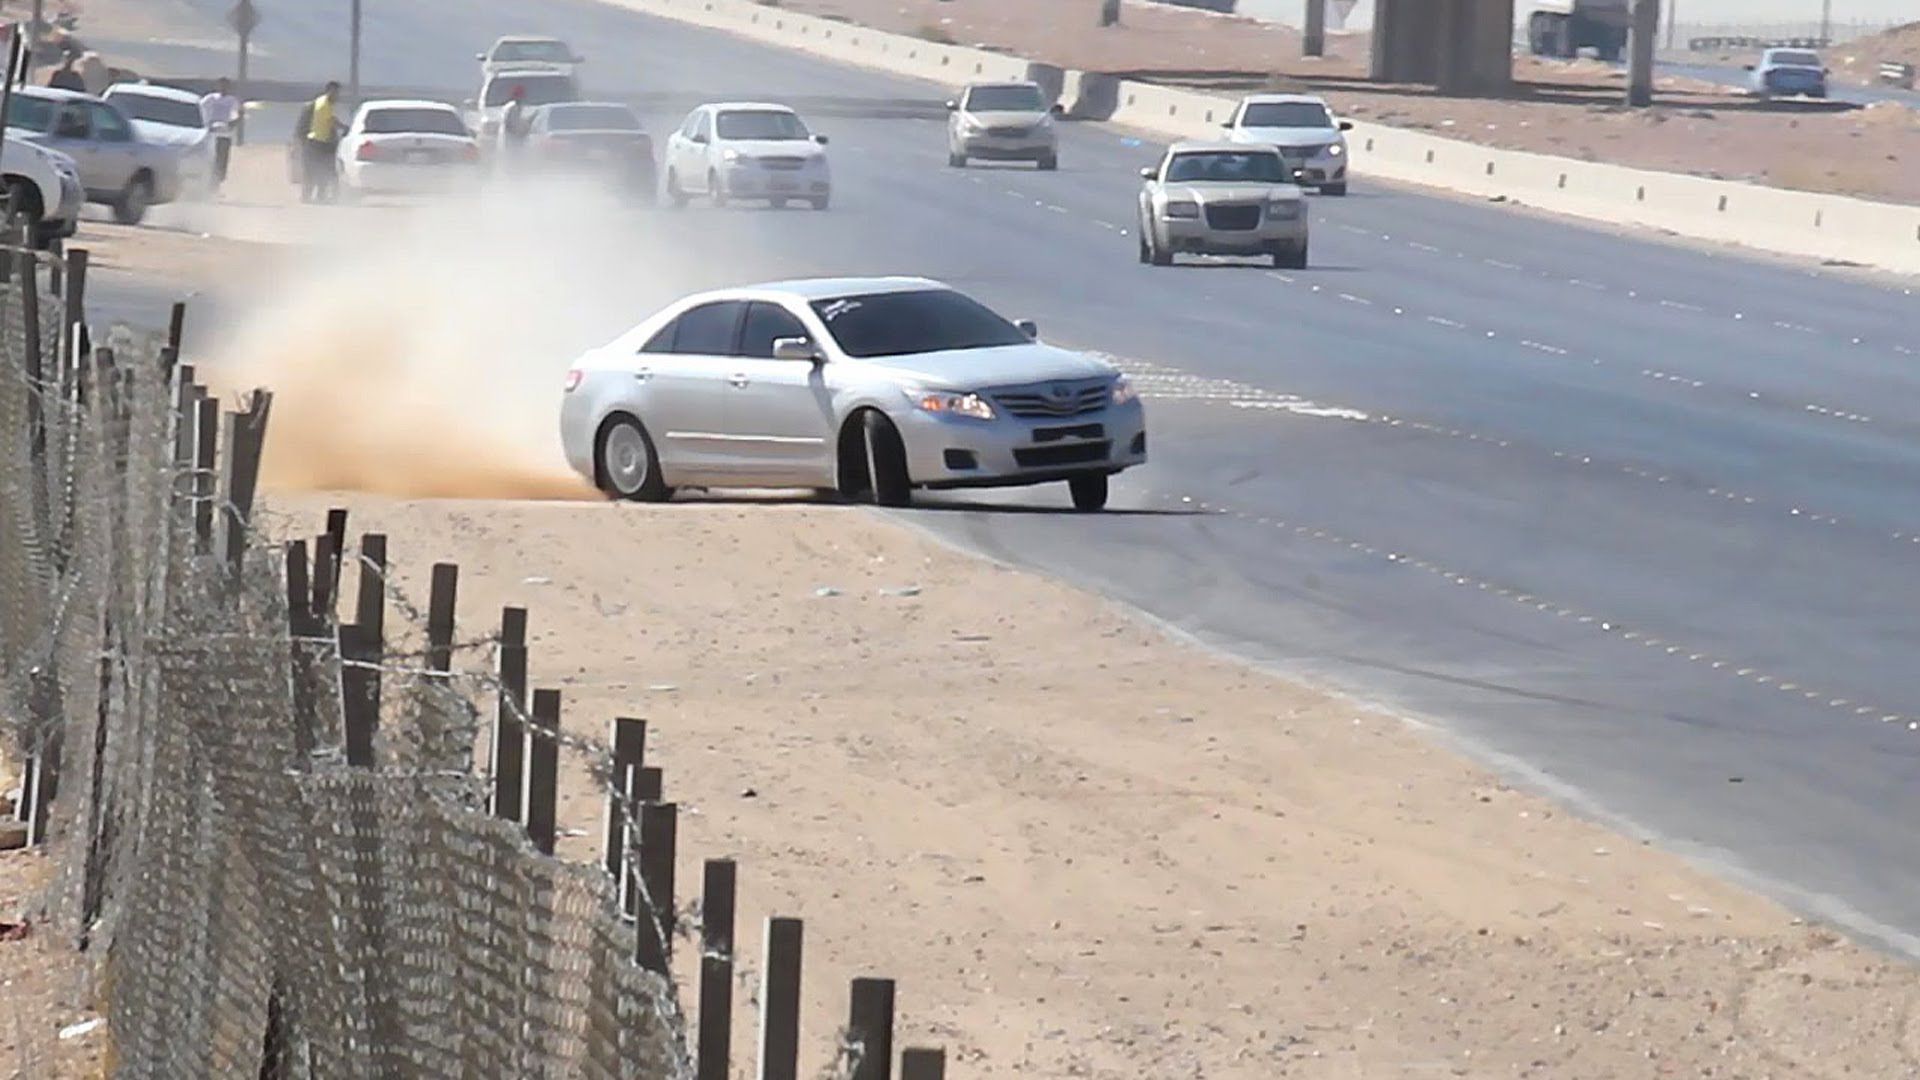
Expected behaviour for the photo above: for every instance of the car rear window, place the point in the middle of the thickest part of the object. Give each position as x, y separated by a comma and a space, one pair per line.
1796, 59
413, 122
1286, 114
593, 118
539, 89
159, 110
1227, 166
921, 321
543, 52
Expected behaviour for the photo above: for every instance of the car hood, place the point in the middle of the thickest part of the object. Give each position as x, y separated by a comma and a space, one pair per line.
168, 134
1282, 136
1214, 191
1006, 119
775, 147
974, 369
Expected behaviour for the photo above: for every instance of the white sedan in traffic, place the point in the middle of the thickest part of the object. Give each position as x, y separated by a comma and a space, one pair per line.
407, 147
871, 387
175, 118
745, 150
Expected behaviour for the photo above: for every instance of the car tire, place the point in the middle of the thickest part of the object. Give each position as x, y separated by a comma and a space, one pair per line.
820, 203
956, 161
1146, 250
1293, 257
625, 465
1336, 190
131, 207
1048, 163
676, 195
887, 481
1089, 492
1154, 252
714, 191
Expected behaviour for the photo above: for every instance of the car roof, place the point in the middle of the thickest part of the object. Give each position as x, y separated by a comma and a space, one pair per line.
1197, 146
811, 289
554, 106
1777, 50
52, 94
515, 39
406, 103
1283, 99
530, 71
743, 106
155, 90
997, 83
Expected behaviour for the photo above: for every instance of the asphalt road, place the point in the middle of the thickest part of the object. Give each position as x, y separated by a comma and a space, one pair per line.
1633, 520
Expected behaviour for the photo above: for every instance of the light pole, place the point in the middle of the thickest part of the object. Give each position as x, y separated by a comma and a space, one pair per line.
1826, 23
353, 56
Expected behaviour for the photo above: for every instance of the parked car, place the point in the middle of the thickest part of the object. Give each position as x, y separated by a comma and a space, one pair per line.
1222, 199
407, 147
1303, 129
544, 85
520, 51
1003, 122
118, 167
165, 115
1789, 73
595, 138
745, 150
874, 387
43, 186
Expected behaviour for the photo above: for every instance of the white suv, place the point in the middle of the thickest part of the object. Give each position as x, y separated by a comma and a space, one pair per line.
745, 150
1303, 129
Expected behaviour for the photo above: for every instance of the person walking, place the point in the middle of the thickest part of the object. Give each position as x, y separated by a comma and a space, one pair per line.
319, 140
515, 125
222, 111
67, 75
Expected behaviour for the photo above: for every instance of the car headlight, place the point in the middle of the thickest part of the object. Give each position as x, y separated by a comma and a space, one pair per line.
948, 403
1284, 209
1336, 149
729, 155
1183, 210
1124, 391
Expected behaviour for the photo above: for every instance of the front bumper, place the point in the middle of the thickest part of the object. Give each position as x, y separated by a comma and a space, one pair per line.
1195, 236
1010, 451
1320, 169
757, 182
1026, 147
73, 198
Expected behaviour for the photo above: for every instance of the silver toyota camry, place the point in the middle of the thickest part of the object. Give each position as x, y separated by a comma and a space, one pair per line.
871, 387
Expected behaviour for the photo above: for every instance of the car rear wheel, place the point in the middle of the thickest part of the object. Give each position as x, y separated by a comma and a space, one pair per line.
1089, 492
625, 464
676, 195
1048, 163
131, 207
714, 191
887, 483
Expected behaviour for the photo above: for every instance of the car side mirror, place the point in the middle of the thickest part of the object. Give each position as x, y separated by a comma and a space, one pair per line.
1749, 67
1146, 173
1029, 328
953, 106
796, 348
1228, 125
470, 104
480, 56
1346, 125
699, 138
1058, 109
821, 139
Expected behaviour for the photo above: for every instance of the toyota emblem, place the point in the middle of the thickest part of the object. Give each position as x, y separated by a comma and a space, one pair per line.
1059, 393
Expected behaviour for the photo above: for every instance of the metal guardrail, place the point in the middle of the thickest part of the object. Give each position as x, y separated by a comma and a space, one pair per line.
1717, 44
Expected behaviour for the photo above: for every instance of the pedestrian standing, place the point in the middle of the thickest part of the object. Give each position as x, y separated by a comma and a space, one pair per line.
222, 111
319, 142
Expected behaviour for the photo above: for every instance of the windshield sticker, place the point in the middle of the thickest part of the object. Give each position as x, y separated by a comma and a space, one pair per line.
837, 308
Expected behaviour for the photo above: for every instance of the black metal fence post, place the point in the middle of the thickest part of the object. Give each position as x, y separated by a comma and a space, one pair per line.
870, 1027
780, 1000
543, 769
716, 969
507, 754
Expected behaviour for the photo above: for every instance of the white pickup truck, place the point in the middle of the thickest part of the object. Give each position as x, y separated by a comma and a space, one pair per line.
44, 187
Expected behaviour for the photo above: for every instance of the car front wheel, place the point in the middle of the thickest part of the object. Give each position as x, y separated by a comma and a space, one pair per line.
131, 207
1089, 492
887, 482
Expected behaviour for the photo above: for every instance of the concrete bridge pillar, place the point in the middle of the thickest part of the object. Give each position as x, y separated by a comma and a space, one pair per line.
1460, 46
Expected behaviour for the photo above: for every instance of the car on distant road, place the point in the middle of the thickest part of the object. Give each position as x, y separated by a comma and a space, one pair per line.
118, 167
1003, 122
172, 117
602, 139
44, 188
1789, 73
747, 150
871, 387
407, 147
1219, 198
520, 51
1303, 129
536, 85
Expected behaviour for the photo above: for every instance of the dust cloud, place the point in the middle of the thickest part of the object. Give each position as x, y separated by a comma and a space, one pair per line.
421, 351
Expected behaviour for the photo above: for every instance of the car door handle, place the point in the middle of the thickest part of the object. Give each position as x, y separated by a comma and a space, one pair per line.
739, 379
643, 374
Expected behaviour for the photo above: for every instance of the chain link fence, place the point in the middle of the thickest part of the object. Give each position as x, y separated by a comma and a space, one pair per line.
272, 841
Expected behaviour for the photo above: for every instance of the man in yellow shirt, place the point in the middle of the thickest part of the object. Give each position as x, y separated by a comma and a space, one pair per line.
319, 139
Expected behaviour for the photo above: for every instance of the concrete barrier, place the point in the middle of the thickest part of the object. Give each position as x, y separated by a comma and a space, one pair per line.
1829, 227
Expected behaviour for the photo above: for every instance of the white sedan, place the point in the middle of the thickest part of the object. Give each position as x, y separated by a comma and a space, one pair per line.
872, 387
745, 150
408, 147
173, 118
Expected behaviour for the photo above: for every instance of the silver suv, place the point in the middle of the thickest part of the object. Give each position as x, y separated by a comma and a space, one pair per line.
1003, 122
118, 168
1222, 199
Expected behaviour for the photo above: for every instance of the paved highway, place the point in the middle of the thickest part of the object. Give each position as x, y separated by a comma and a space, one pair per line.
1636, 521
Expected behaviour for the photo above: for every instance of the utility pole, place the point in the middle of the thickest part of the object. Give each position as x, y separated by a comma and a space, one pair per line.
1826, 23
1646, 31
353, 57
1314, 39
1673, 19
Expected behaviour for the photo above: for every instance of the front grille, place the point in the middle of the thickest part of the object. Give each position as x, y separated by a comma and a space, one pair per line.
1295, 155
785, 164
1234, 216
1043, 457
1043, 403
1008, 132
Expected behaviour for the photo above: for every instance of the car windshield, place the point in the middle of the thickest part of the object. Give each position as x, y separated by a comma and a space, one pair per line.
1005, 99
594, 118
543, 52
30, 113
413, 122
1228, 167
539, 89
760, 124
1795, 59
1286, 114
159, 110
922, 321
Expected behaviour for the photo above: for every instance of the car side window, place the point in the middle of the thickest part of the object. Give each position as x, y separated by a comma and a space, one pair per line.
72, 123
766, 323
662, 339
703, 130
108, 124
709, 330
